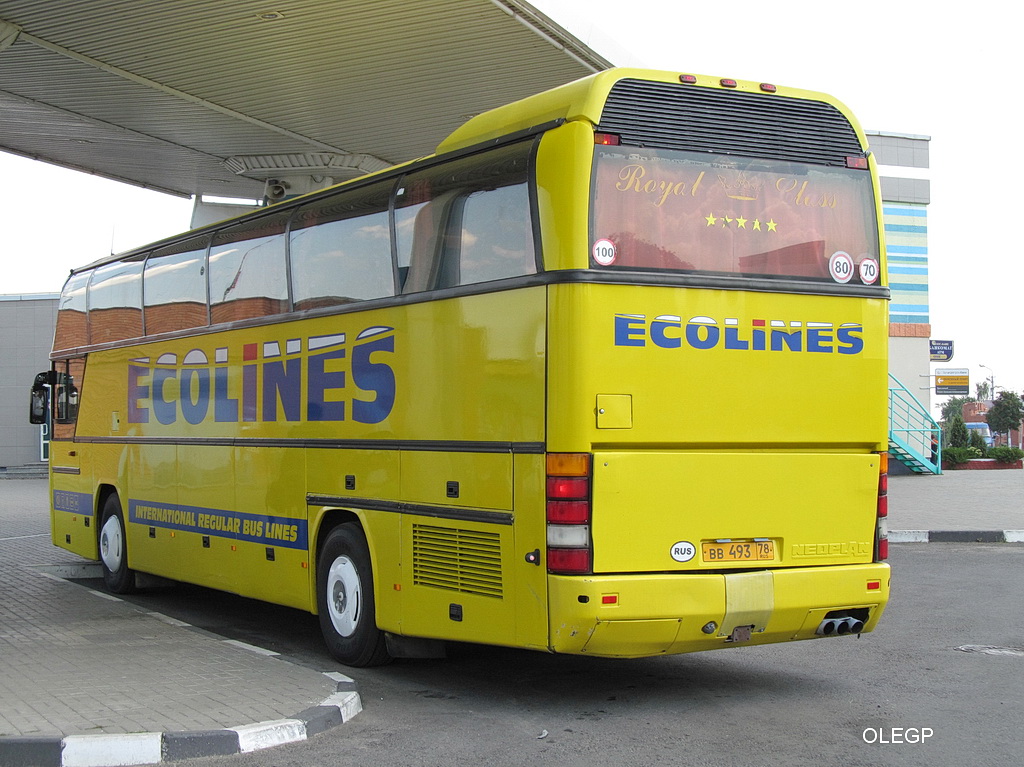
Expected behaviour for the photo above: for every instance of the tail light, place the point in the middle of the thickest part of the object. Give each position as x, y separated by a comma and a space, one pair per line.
882, 510
568, 513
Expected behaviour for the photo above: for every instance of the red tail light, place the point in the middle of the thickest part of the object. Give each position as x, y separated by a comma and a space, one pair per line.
568, 513
569, 487
882, 510
569, 561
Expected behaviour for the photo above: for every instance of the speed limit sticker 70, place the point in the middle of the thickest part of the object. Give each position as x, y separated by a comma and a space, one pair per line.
868, 271
840, 266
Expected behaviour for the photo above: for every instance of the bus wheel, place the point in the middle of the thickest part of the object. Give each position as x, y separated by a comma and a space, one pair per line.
345, 599
114, 549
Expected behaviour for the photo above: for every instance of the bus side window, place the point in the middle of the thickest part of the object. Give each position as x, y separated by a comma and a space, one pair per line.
174, 287
115, 302
490, 239
72, 320
67, 393
248, 275
341, 249
421, 246
466, 221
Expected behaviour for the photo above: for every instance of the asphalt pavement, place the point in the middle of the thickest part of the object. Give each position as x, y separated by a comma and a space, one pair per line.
90, 679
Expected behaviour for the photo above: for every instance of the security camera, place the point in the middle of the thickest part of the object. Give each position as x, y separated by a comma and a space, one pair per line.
275, 190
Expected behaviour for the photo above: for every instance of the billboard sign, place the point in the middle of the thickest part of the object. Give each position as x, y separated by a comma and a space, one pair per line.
941, 351
953, 381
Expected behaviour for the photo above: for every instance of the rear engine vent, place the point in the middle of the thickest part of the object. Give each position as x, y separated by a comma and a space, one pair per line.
459, 560
671, 116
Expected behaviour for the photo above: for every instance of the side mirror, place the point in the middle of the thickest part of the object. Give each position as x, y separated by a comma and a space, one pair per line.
39, 399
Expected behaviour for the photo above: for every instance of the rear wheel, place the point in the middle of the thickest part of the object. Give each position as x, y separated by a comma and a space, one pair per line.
114, 548
345, 599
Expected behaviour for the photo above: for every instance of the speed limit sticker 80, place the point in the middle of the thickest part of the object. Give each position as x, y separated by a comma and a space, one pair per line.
840, 266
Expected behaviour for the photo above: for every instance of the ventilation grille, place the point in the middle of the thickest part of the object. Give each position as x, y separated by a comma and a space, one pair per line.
459, 560
668, 116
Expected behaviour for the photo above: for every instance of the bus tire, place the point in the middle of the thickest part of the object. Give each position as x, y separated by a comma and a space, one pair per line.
117, 576
345, 599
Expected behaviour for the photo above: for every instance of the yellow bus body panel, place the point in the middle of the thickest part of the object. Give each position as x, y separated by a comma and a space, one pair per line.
224, 503
663, 614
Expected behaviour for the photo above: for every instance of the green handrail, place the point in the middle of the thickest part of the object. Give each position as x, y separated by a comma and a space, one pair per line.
914, 436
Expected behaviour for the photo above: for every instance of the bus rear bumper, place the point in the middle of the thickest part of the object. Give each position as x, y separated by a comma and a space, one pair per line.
633, 616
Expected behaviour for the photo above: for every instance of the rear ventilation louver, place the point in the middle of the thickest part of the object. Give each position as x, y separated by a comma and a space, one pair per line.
468, 561
668, 116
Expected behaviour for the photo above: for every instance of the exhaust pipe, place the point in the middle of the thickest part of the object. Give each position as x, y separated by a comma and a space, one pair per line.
839, 626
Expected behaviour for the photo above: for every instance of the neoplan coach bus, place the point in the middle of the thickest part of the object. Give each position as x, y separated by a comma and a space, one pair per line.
606, 374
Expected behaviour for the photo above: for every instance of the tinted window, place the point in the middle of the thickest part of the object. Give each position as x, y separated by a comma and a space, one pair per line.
341, 249
115, 302
248, 274
72, 328
467, 221
723, 214
174, 287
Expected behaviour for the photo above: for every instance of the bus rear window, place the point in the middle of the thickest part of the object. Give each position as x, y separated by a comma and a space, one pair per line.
726, 215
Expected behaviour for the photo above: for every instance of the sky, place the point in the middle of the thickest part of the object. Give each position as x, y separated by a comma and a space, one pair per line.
902, 67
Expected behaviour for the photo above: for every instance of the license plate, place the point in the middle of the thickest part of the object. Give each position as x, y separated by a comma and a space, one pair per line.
738, 551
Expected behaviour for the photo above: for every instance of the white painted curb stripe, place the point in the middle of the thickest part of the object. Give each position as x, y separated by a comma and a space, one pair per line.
348, 703
908, 536
250, 647
1014, 536
111, 750
254, 737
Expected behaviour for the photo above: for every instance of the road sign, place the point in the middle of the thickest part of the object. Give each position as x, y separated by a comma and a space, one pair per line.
954, 381
941, 351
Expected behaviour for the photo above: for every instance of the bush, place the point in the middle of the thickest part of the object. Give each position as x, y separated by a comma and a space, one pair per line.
956, 432
1006, 454
958, 455
978, 441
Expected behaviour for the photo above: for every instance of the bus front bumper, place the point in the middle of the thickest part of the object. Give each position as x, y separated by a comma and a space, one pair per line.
632, 616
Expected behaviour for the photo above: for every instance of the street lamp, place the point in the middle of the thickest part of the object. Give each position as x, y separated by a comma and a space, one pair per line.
991, 381
992, 390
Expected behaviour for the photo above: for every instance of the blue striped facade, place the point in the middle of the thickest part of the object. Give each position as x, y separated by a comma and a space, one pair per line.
906, 243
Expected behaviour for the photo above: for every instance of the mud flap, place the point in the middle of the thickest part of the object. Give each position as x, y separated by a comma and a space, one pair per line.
749, 603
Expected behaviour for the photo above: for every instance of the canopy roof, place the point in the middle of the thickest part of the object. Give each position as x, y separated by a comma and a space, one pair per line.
195, 97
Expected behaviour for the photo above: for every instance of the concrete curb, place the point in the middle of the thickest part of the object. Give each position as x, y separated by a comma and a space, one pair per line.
155, 747
956, 536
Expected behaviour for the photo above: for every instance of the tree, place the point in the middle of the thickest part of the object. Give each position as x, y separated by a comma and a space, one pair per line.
1006, 413
954, 406
957, 434
978, 441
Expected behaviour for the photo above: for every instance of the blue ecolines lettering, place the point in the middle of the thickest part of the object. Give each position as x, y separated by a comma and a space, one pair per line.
671, 332
300, 379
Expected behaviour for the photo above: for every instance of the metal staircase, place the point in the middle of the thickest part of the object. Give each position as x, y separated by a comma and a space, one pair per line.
915, 439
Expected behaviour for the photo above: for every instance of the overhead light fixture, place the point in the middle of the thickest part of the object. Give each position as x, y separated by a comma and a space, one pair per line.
270, 16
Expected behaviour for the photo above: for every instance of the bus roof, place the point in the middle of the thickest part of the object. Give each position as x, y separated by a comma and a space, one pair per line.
584, 99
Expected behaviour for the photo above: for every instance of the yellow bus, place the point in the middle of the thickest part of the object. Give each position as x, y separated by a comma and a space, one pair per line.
605, 375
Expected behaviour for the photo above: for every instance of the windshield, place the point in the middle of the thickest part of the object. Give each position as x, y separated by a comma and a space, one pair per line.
723, 214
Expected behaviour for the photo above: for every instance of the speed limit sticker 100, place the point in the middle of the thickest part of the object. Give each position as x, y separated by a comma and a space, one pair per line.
603, 252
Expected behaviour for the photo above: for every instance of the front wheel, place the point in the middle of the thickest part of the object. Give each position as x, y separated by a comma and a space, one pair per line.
114, 549
345, 599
